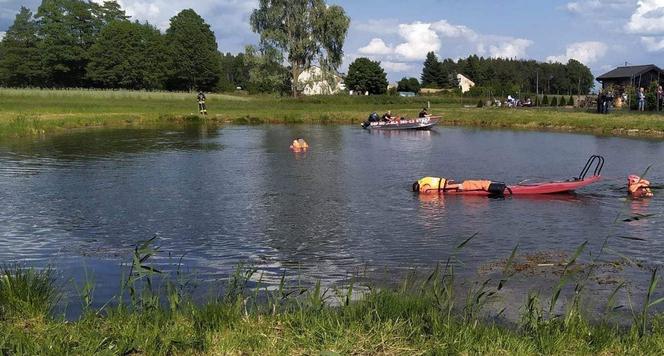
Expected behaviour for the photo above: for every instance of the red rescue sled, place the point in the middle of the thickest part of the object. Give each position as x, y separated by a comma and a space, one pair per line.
548, 187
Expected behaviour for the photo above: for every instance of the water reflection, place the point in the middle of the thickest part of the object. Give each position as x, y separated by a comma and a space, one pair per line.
239, 195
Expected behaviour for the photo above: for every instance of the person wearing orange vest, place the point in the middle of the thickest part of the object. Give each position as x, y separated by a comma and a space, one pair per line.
428, 185
441, 185
638, 187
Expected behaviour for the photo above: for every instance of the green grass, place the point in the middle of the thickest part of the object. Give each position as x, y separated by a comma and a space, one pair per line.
26, 293
34, 112
423, 316
414, 321
618, 123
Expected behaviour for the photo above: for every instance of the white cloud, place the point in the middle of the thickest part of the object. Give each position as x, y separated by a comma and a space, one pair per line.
584, 52
396, 66
648, 18
376, 47
577, 7
446, 29
607, 16
510, 48
653, 44
590, 7
2, 35
420, 39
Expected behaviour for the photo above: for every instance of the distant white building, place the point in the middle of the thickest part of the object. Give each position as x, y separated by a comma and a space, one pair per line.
315, 81
464, 83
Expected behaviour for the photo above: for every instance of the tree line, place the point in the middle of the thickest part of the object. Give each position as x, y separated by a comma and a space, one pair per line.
492, 76
80, 43
500, 75
77, 43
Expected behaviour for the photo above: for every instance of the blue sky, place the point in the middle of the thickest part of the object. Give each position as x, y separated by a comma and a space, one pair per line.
602, 34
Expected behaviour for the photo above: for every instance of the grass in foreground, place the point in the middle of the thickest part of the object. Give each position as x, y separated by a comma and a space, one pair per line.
34, 111
383, 322
422, 317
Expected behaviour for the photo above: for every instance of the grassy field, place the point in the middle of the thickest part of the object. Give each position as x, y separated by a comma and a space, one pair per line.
29, 112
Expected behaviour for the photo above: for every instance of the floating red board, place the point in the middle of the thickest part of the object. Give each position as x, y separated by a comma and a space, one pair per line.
536, 188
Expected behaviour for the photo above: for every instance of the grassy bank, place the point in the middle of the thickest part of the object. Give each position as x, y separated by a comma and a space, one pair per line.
622, 123
29, 112
424, 316
419, 320
40, 111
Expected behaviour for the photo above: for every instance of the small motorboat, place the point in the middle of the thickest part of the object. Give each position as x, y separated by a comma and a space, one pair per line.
423, 123
500, 189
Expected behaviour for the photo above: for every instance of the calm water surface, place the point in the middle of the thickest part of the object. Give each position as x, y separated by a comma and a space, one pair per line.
80, 201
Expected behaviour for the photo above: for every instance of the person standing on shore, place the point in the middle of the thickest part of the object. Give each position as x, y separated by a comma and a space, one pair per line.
642, 99
202, 107
660, 98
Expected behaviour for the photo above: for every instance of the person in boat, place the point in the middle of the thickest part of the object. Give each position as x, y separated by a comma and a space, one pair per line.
373, 117
638, 187
424, 113
202, 107
428, 185
299, 145
387, 117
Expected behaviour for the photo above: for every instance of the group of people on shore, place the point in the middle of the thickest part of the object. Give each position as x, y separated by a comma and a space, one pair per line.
511, 102
659, 95
607, 99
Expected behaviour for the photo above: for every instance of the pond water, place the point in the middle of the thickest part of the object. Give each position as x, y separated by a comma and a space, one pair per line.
217, 197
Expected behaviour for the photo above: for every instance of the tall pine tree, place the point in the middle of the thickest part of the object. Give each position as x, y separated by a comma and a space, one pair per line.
431, 72
447, 74
19, 55
193, 49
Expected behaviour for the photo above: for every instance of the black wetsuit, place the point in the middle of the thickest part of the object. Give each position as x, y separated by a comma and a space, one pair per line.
202, 108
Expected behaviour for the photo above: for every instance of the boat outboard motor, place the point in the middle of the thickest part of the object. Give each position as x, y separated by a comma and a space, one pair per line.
372, 118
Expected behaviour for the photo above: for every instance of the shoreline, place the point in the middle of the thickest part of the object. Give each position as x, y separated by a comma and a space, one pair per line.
62, 111
44, 125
